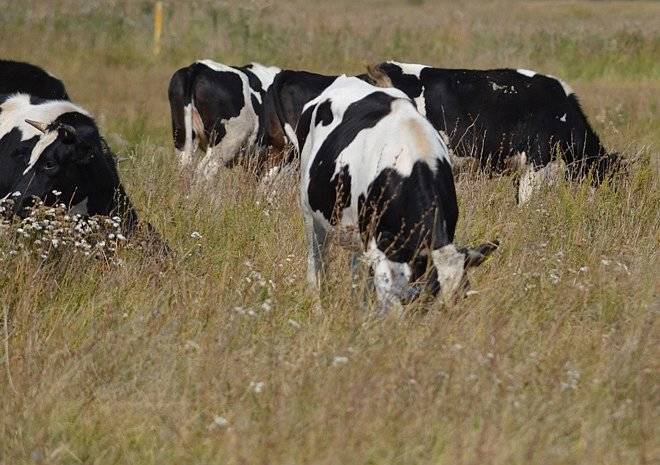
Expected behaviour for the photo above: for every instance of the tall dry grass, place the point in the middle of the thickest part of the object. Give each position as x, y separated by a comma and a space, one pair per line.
217, 356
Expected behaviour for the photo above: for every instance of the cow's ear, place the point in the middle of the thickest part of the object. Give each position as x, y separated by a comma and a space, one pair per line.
67, 134
378, 77
477, 255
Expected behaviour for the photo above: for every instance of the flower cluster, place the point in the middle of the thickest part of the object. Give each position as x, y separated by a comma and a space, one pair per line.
50, 232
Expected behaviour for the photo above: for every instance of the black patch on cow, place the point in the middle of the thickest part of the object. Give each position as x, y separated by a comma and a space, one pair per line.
292, 90
217, 95
13, 159
324, 113
16, 76
330, 195
253, 81
176, 93
256, 105
304, 126
406, 214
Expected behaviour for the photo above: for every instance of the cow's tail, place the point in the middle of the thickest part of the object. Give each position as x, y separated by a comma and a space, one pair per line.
277, 103
189, 113
180, 104
187, 126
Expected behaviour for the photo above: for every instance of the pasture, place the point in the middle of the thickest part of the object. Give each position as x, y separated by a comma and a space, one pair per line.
221, 355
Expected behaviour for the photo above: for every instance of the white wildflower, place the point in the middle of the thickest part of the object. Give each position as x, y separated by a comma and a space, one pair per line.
339, 360
267, 305
257, 387
554, 276
572, 379
218, 423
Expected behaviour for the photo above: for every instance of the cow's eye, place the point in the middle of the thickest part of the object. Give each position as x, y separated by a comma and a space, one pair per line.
50, 165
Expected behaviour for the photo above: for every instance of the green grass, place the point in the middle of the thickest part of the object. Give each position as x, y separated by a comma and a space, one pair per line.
553, 361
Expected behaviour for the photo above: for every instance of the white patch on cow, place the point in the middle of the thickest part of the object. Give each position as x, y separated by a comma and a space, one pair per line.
257, 96
80, 208
214, 65
40, 147
409, 68
241, 130
17, 108
527, 72
265, 74
421, 103
568, 90
450, 266
563, 118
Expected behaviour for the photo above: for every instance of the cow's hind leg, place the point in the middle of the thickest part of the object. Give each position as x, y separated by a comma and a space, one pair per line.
209, 165
533, 180
316, 243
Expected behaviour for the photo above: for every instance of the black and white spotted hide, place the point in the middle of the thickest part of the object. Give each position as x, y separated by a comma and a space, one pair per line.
505, 119
374, 171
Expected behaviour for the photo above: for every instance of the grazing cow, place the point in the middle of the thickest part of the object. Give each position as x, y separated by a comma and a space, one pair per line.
52, 150
377, 173
220, 109
19, 77
504, 118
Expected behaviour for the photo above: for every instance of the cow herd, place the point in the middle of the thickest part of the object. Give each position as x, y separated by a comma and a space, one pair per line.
377, 152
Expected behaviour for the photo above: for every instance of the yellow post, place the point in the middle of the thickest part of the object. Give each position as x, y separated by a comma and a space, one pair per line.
158, 26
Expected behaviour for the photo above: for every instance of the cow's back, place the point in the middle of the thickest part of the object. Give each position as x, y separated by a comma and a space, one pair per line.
19, 77
492, 114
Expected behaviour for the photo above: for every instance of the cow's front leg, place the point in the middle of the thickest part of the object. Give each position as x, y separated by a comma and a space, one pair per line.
391, 280
316, 245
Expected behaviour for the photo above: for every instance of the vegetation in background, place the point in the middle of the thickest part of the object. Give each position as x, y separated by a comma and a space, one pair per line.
220, 355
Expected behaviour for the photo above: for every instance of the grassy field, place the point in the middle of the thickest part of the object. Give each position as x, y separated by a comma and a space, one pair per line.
217, 355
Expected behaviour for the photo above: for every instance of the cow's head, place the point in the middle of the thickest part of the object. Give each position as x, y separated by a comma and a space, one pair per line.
451, 264
70, 163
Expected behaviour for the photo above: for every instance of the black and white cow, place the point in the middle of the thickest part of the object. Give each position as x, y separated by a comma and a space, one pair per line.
17, 76
52, 150
221, 109
504, 118
375, 171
